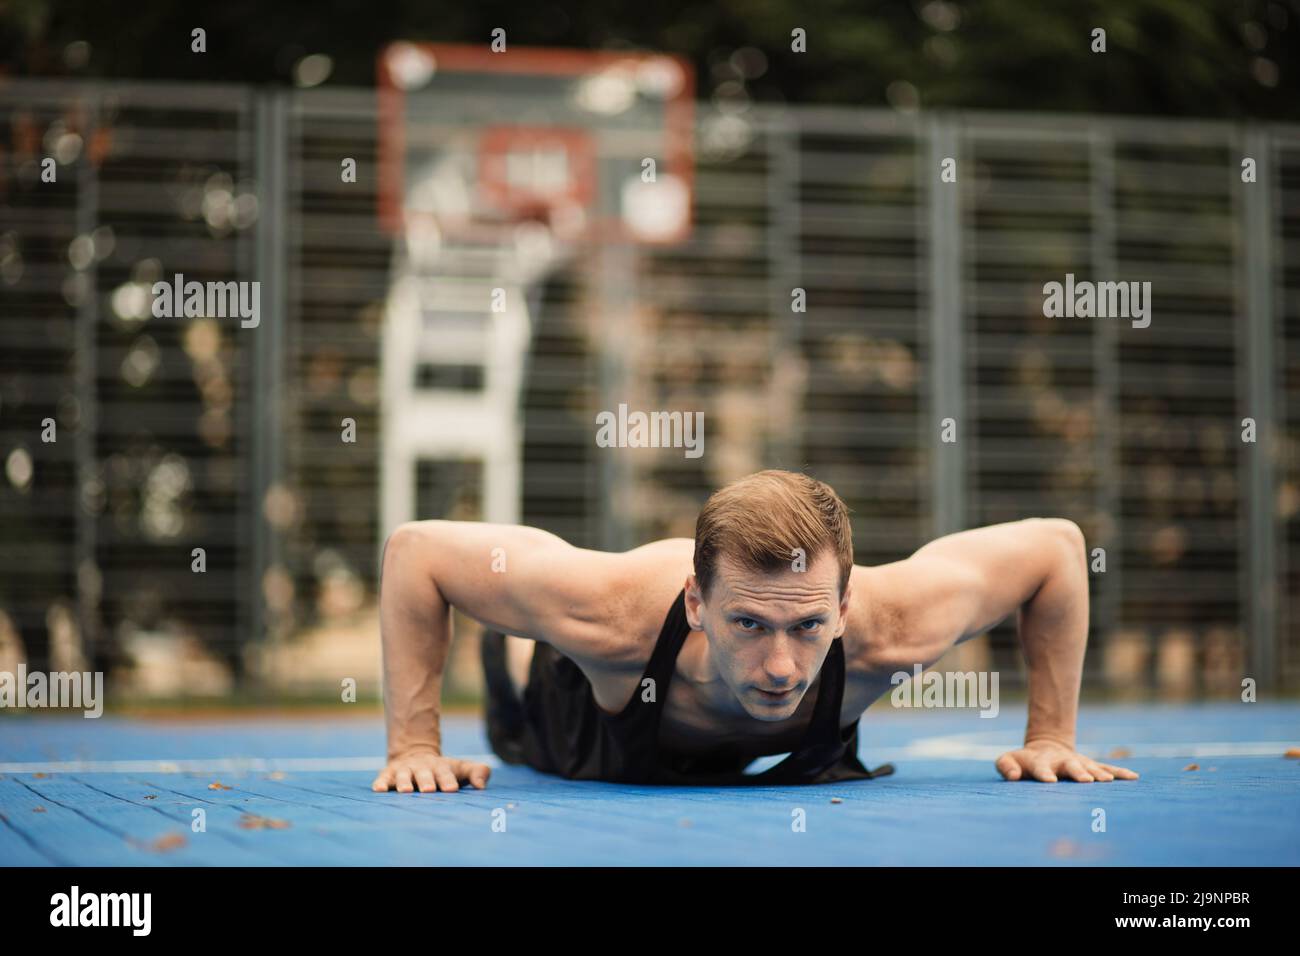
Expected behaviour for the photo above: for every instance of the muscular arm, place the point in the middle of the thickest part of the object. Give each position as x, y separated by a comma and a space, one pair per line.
963, 584
518, 580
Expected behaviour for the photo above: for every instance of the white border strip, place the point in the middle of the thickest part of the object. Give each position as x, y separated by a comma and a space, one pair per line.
960, 747
219, 765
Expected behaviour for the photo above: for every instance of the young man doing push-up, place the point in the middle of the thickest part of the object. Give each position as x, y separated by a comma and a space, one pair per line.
684, 660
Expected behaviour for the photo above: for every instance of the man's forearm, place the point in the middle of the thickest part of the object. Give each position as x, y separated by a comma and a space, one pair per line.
1054, 635
415, 625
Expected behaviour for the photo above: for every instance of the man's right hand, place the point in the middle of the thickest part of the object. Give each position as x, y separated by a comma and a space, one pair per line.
429, 772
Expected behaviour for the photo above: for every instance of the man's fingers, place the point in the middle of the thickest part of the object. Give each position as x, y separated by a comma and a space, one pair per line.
403, 776
446, 778
1045, 767
1122, 772
1098, 771
431, 774
1076, 769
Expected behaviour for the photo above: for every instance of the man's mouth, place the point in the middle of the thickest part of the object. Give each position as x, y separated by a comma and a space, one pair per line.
774, 695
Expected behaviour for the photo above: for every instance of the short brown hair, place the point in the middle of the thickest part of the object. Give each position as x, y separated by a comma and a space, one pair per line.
759, 520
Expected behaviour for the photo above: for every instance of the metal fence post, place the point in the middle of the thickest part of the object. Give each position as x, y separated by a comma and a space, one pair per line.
946, 394
784, 275
615, 285
1106, 365
87, 577
1259, 401
270, 150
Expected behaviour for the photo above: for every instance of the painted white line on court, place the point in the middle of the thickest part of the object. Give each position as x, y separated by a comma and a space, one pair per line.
961, 747
220, 765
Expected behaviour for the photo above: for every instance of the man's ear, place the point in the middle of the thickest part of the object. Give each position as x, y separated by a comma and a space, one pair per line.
694, 603
845, 598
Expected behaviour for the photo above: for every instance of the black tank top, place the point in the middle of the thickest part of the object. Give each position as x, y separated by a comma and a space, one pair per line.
565, 732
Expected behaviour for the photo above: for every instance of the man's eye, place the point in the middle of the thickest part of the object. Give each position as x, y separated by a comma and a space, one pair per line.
745, 623
810, 625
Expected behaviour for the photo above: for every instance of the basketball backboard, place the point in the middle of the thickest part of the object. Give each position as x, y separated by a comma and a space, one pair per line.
595, 145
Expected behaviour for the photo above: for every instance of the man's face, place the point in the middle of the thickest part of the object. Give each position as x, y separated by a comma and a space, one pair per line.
769, 632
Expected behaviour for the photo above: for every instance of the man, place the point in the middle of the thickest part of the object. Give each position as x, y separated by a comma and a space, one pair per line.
683, 660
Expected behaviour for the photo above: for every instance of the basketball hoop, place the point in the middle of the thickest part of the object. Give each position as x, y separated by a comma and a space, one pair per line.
479, 141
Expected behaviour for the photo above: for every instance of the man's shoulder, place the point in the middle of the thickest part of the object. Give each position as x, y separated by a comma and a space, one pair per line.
655, 574
885, 610
902, 613
638, 589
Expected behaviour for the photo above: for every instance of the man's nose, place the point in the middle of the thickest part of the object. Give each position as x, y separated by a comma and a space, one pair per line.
780, 667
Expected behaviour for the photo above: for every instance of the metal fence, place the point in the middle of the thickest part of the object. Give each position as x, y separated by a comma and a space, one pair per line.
924, 302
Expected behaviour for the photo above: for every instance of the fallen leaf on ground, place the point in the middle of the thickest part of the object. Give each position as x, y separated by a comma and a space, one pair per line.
251, 821
1293, 753
1119, 753
38, 809
836, 800
1064, 848
217, 785
168, 841
276, 775
1193, 766
40, 776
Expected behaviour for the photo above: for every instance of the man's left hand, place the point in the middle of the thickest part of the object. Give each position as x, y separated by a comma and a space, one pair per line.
1049, 761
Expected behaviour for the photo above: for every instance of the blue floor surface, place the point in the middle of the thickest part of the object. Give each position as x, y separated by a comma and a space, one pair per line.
117, 791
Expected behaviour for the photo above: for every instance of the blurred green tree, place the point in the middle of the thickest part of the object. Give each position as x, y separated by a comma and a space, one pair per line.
1226, 58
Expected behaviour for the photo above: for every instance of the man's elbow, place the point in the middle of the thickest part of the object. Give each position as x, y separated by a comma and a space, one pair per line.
406, 542
1068, 535
400, 539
